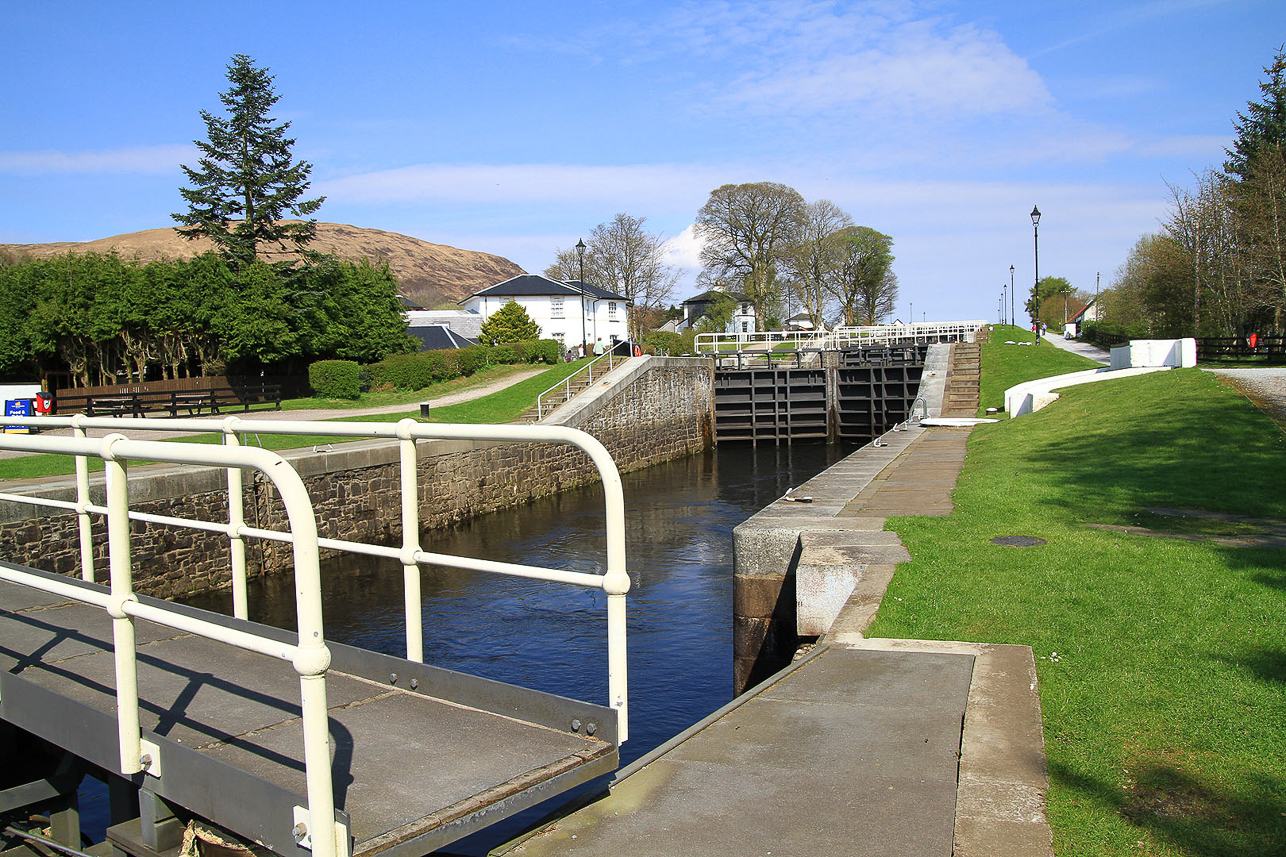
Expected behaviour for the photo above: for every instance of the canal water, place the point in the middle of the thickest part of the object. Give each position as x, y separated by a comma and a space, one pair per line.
552, 637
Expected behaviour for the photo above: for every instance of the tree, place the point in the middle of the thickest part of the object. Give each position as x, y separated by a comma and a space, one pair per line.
748, 229
510, 323
623, 258
631, 262
1056, 295
1264, 123
246, 180
816, 259
864, 283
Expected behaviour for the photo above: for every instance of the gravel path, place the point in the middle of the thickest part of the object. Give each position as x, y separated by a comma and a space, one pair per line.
451, 399
1265, 387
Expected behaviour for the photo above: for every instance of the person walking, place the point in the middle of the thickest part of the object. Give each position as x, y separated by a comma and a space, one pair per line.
599, 347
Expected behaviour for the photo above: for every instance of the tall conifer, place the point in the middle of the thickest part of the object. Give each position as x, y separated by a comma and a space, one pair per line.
246, 180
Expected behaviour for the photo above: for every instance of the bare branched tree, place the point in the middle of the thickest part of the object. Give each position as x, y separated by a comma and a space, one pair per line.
815, 260
748, 229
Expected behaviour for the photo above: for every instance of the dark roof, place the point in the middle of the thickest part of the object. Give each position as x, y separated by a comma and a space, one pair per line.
526, 285
710, 296
407, 303
438, 336
596, 293
535, 285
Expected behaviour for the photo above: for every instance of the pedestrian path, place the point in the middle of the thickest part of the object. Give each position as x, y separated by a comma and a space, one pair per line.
1076, 346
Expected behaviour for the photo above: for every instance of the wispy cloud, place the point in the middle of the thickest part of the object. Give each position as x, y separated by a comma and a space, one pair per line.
1121, 18
151, 160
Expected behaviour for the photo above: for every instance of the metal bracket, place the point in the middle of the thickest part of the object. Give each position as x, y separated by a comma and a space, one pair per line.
149, 757
303, 836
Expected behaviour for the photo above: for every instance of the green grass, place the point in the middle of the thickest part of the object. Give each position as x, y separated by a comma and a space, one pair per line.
499, 407
1004, 366
1162, 663
406, 397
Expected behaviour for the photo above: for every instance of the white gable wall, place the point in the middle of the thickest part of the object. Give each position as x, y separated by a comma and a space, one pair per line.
563, 323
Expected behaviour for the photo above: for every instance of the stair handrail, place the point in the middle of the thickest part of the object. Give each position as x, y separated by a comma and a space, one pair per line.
566, 383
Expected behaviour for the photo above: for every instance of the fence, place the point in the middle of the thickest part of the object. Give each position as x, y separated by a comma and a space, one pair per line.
615, 582
190, 402
1266, 348
719, 344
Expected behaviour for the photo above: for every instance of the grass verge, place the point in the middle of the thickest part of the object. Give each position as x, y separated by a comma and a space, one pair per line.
502, 406
1004, 366
1162, 663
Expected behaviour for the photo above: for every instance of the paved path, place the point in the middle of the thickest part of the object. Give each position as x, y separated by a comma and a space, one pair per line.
466, 395
1075, 346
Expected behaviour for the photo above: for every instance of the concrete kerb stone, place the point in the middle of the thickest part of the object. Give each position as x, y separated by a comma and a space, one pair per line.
584, 406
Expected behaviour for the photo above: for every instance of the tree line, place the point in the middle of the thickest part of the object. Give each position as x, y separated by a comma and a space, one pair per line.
103, 318
1218, 266
760, 239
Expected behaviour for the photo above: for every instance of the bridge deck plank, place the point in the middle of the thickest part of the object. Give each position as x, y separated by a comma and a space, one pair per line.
405, 763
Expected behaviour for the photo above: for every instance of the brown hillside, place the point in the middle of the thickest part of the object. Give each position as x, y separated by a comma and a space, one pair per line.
427, 273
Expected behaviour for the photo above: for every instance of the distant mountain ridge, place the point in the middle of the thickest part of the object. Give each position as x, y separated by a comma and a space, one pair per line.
426, 273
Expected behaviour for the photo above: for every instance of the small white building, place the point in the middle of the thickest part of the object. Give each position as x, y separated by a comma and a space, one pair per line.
564, 311
743, 315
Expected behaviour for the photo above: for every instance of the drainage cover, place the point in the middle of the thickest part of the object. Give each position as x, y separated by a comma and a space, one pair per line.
1018, 541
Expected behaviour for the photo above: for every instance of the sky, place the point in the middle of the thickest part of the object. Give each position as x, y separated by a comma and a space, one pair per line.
514, 127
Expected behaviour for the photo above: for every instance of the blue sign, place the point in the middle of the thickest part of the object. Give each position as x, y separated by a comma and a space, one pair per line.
18, 408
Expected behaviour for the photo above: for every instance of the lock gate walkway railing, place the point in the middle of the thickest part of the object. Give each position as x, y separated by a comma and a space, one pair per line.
281, 738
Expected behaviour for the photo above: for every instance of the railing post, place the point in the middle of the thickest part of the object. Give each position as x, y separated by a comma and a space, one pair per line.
411, 542
118, 554
83, 522
236, 521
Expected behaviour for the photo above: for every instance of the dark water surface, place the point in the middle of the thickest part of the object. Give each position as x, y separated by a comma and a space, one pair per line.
552, 637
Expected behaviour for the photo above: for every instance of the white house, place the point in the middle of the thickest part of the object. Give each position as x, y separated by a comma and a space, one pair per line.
565, 311
743, 315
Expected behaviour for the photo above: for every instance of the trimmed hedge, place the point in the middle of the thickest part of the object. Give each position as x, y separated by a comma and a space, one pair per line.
417, 371
335, 379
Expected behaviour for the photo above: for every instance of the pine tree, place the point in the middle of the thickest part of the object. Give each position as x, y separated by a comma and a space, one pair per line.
1263, 123
510, 323
246, 180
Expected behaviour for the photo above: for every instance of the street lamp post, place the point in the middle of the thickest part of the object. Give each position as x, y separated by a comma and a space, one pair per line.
1035, 229
580, 254
1002, 303
1013, 319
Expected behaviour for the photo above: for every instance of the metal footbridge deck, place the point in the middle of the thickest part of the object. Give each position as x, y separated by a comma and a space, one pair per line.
292, 743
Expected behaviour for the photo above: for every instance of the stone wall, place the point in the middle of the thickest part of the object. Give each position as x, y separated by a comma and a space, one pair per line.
651, 410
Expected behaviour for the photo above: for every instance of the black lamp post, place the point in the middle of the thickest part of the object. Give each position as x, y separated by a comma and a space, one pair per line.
1013, 319
580, 254
1035, 229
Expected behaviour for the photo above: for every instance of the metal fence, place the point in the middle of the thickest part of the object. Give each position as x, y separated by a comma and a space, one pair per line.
720, 344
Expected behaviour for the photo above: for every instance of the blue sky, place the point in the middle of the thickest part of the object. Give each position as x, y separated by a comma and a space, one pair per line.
514, 128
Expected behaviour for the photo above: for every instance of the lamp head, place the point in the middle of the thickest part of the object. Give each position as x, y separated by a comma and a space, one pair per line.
1035, 216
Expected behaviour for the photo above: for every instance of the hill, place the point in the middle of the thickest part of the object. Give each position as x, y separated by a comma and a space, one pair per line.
426, 273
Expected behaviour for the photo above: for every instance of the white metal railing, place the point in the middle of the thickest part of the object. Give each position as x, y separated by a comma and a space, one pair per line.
565, 385
309, 655
615, 582
841, 337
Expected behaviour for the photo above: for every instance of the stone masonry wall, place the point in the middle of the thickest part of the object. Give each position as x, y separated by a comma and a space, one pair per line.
660, 410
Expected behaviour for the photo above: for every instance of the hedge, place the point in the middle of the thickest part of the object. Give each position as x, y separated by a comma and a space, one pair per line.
417, 371
335, 379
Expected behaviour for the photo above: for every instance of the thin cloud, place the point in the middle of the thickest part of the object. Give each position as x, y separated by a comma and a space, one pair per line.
147, 160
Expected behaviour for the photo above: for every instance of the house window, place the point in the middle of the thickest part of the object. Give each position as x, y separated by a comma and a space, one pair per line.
611, 310
745, 327
745, 309
559, 336
555, 307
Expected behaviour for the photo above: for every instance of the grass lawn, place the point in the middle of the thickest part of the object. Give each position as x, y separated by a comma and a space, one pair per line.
500, 407
1162, 663
1003, 365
